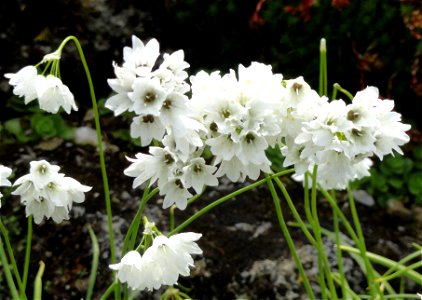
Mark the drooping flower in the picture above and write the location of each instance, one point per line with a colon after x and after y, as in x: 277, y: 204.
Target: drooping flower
x: 46, y: 193
x: 24, y: 83
x: 5, y: 172
x: 53, y: 94
x: 161, y: 264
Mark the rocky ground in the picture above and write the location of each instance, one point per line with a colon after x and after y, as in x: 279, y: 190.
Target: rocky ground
x: 245, y: 255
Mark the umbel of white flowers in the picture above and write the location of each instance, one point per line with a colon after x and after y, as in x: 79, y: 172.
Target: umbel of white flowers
x: 237, y: 117
x: 5, y: 172
x: 46, y: 193
x: 161, y: 264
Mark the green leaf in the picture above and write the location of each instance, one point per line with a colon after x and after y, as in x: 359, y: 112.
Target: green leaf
x: 417, y: 152
x: 396, y: 183
x: 14, y: 127
x: 415, y: 183
x: 44, y: 125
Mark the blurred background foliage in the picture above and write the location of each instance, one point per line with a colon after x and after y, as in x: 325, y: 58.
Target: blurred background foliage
x: 376, y: 42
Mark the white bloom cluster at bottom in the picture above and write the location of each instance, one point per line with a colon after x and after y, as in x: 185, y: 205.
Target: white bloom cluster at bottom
x: 161, y: 264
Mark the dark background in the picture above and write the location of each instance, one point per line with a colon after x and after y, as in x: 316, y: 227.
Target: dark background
x: 369, y: 42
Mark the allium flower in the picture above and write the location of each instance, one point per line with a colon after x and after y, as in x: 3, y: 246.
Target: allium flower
x: 243, y: 116
x: 161, y: 264
x: 340, y: 138
x: 46, y: 193
x: 24, y: 83
x: 50, y: 90
x: 4, y: 173
x: 53, y: 94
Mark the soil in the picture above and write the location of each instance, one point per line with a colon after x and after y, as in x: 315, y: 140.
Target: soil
x: 245, y: 255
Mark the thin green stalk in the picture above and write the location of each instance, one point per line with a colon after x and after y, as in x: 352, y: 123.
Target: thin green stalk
x: 349, y: 292
x: 102, y: 157
x: 289, y: 239
x: 386, y: 262
x: 224, y: 199
x: 172, y: 208
x: 374, y: 288
x: 337, y: 87
x: 130, y: 238
x: 12, y: 259
x: 317, y: 233
x: 27, y: 253
x: 99, y: 140
x: 323, y: 79
x: 404, y: 260
x: 343, y: 285
x: 413, y: 266
x: 294, y: 211
x: 38, y: 282
x: 94, y: 266
x: 306, y: 198
x: 111, y: 288
x: 7, y: 272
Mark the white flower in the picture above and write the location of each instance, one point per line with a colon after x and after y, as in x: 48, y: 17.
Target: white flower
x: 141, y: 58
x: 53, y: 94
x: 155, y: 166
x: 41, y: 173
x: 129, y: 270
x: 122, y: 85
x: 147, y: 96
x: 24, y: 83
x: 4, y: 173
x: 147, y: 127
x: 175, y: 193
x: 197, y: 174
x: 161, y: 264
x: 46, y: 193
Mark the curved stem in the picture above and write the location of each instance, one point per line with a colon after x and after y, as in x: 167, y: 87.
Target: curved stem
x: 27, y: 253
x: 294, y: 211
x: 7, y: 273
x: 374, y: 288
x: 289, y: 239
x: 12, y: 258
x: 94, y: 266
x: 224, y: 199
x: 38, y: 282
x: 100, y: 148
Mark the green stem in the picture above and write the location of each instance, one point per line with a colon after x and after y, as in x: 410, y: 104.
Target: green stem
x: 100, y: 148
x: 339, y: 255
x: 94, y: 266
x: 289, y: 239
x: 400, y: 272
x: 111, y: 288
x: 172, y: 208
x: 386, y: 262
x: 130, y: 238
x: 323, y: 79
x: 38, y: 282
x: 12, y: 259
x: 27, y: 253
x: 224, y: 199
x: 415, y: 254
x: 294, y: 211
x: 7, y: 273
x: 374, y: 288
x: 317, y: 233
x: 337, y: 87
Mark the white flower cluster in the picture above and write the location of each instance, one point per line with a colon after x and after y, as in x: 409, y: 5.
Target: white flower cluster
x: 161, y: 264
x: 47, y: 193
x: 237, y: 117
x: 50, y: 90
x: 155, y: 95
x: 5, y: 172
x: 340, y: 138
x: 242, y: 115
